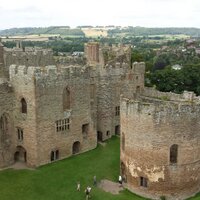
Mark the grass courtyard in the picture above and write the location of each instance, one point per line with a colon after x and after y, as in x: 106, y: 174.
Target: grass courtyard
x: 57, y: 181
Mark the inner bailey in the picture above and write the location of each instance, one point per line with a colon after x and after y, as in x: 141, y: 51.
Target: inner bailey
x: 160, y: 144
x: 60, y: 108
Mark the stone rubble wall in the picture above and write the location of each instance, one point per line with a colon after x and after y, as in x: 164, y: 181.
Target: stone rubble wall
x: 150, y: 127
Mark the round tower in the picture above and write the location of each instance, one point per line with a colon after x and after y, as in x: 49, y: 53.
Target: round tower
x: 160, y: 146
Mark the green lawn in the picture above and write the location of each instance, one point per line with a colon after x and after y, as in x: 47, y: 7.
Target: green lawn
x: 57, y: 181
x: 197, y: 197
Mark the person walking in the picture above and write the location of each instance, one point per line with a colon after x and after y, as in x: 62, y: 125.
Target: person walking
x: 78, y: 186
x: 120, y: 180
x: 87, y: 192
x: 95, y: 180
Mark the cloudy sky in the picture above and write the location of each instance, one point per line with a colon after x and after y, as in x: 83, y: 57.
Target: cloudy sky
x: 148, y: 13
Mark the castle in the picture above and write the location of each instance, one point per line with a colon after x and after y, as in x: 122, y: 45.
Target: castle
x: 52, y: 108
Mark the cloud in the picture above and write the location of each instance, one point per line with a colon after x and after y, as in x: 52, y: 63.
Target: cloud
x: 154, y: 13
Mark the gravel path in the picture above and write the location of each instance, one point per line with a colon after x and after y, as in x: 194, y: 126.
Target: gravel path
x: 110, y: 186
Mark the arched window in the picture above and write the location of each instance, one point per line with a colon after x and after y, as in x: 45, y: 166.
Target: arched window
x: 4, y: 126
x: 66, y: 99
x: 76, y: 147
x: 123, y: 141
x: 173, y: 154
x: 23, y: 105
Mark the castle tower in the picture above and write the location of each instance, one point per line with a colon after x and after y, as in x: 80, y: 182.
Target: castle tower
x: 92, y: 52
x: 2, y: 74
x: 160, y: 145
x: 19, y: 44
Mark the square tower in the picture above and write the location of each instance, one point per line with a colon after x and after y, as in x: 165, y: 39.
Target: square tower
x: 92, y: 53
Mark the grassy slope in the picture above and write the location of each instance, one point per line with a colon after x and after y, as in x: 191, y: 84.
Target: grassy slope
x: 57, y: 181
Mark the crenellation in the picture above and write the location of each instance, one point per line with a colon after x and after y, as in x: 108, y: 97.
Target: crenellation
x: 48, y: 72
x: 21, y: 70
x: 28, y: 56
x: 166, y: 96
x: 138, y: 67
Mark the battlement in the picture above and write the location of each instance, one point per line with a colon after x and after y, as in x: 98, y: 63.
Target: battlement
x: 50, y: 71
x: 117, y: 65
x: 28, y: 56
x: 28, y: 50
x: 70, y: 60
x: 115, y: 47
x: 169, y: 96
x: 105, y: 54
x: 138, y: 67
x: 110, y: 55
x: 162, y: 105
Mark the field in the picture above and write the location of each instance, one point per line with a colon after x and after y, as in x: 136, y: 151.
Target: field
x: 57, y: 181
x: 90, y: 32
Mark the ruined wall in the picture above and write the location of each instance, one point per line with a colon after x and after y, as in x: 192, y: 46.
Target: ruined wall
x: 43, y: 90
x: 115, y: 81
x: 49, y: 100
x: 28, y: 56
x: 109, y: 55
x: 149, y: 128
x: 3, y: 74
x: 7, y: 132
x: 92, y: 53
x: 23, y: 82
x: 94, y: 100
x: 113, y: 75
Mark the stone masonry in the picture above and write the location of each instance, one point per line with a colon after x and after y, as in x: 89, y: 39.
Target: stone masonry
x: 51, y: 109
x: 160, y: 144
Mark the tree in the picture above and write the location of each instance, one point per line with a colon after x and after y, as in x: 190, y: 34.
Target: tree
x: 161, y: 61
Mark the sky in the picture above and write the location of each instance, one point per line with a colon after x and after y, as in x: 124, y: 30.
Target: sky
x: 147, y: 13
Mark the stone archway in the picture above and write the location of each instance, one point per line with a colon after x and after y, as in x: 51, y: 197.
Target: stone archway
x: 20, y: 154
x: 76, y: 147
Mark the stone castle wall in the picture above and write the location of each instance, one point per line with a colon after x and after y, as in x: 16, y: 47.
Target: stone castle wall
x: 3, y: 74
x: 23, y: 82
x: 43, y: 90
x: 149, y: 128
x: 113, y: 82
x: 93, y: 95
x: 7, y: 134
x: 27, y: 56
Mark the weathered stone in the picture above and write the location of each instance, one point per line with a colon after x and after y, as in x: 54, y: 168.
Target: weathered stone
x: 67, y: 104
x: 150, y: 126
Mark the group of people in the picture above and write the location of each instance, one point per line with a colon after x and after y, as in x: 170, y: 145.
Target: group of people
x: 88, y: 189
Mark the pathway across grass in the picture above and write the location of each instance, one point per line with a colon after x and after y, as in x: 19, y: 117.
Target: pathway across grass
x: 58, y: 181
